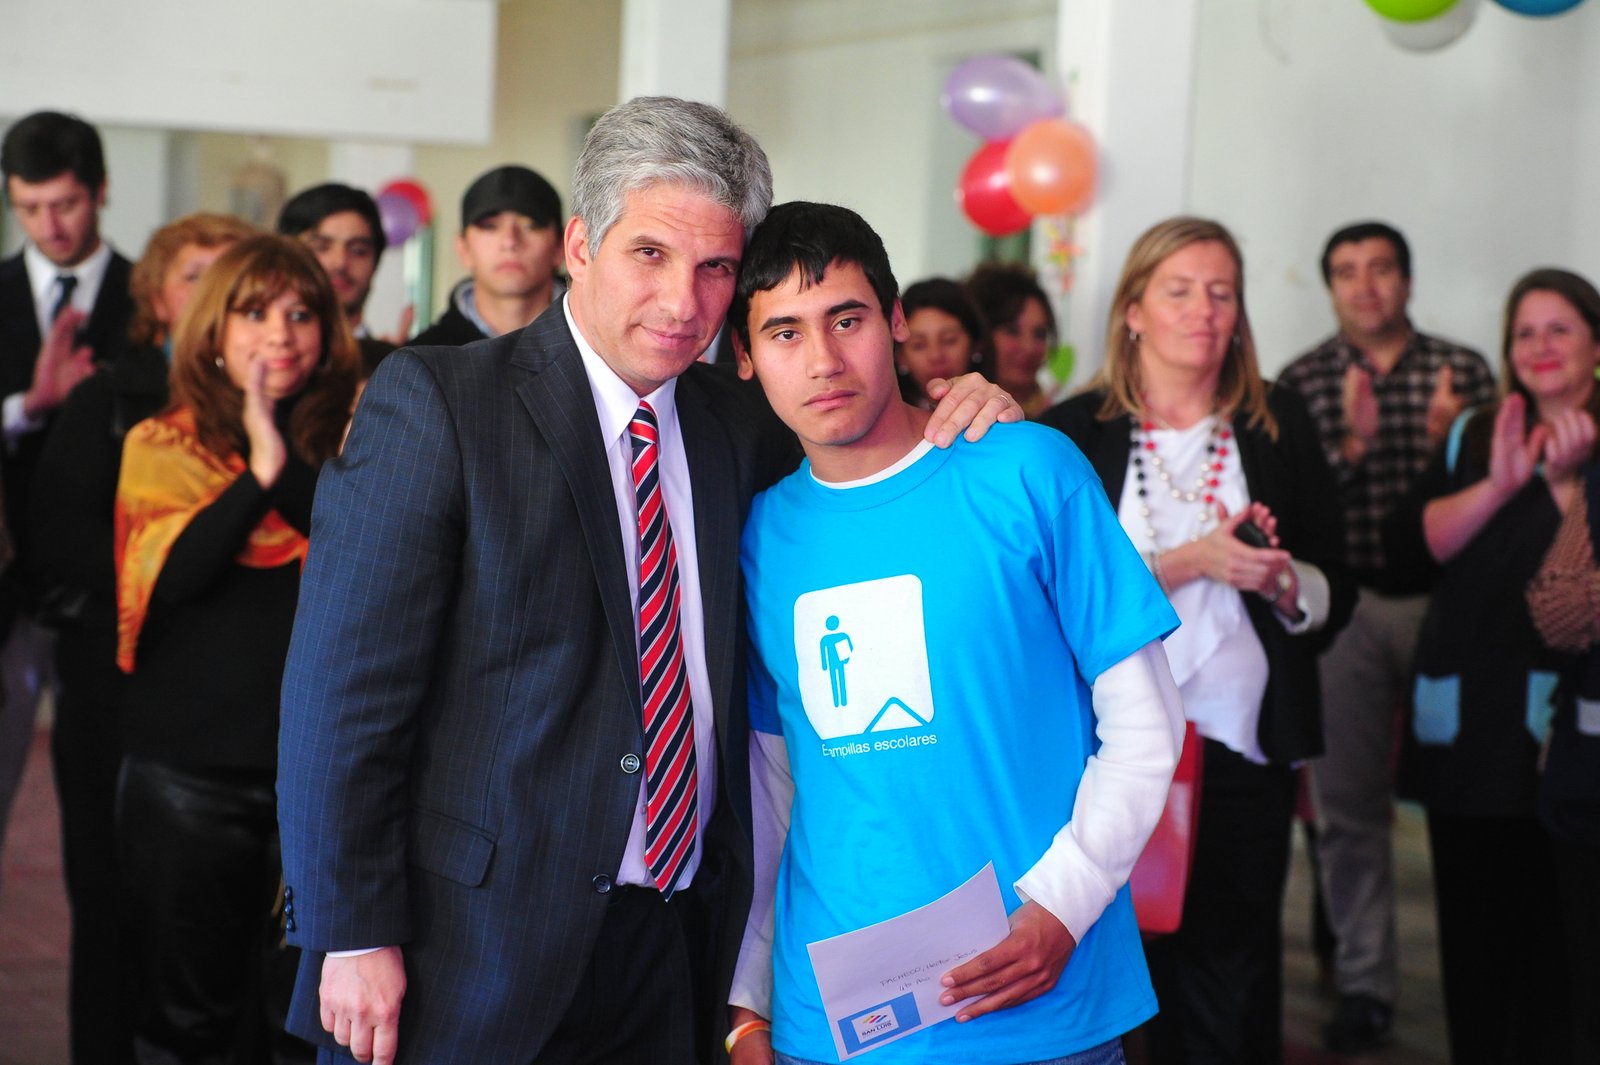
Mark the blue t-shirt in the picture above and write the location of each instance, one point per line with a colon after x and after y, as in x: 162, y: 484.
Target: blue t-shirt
x: 925, y: 644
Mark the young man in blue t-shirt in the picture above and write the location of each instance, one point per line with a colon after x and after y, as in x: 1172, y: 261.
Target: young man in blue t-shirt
x: 956, y: 661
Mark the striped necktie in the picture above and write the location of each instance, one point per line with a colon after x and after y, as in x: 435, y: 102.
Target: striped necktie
x: 68, y: 282
x: 672, y: 801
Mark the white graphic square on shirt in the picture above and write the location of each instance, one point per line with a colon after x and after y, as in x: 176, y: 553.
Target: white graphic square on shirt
x: 862, y: 650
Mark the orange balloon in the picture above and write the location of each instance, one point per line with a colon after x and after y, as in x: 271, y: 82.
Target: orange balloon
x: 1051, y: 163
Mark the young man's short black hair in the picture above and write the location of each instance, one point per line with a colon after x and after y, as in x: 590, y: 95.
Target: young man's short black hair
x: 1355, y: 234
x: 810, y: 237
x: 47, y: 144
x: 306, y: 210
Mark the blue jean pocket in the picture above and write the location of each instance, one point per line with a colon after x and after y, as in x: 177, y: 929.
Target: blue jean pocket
x: 1436, y: 706
x: 1541, y: 708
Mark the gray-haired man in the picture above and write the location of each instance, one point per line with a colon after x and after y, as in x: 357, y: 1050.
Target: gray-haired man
x: 513, y: 744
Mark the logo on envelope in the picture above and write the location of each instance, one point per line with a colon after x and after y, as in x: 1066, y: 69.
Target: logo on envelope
x: 863, y: 657
x: 880, y: 1022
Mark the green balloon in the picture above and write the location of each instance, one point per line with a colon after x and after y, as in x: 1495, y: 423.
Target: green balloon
x: 1411, y: 10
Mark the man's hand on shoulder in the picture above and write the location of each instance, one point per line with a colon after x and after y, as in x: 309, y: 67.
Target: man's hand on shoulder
x: 971, y: 402
x: 1021, y: 967
x: 361, y: 1002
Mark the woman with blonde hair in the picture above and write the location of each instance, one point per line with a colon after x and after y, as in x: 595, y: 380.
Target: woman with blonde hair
x: 212, y: 511
x: 1219, y: 480
x: 74, y: 488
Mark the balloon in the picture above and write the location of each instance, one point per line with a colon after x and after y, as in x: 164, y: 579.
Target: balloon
x: 1539, y: 8
x: 996, y: 95
x: 984, y: 192
x: 1410, y: 10
x: 1051, y: 164
x: 1434, y: 33
x: 416, y: 194
x: 399, y: 216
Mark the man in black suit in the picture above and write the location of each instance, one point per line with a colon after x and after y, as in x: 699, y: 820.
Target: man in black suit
x: 513, y: 783
x: 64, y: 305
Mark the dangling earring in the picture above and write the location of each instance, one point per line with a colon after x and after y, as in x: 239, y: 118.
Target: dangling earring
x: 1132, y: 335
x: 219, y: 362
x: 903, y: 371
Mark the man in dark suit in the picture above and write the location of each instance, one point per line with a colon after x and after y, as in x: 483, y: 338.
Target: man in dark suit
x: 64, y: 304
x: 513, y: 783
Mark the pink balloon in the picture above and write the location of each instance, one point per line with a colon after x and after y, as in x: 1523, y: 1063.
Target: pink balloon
x: 984, y: 193
x: 1051, y: 166
x: 399, y: 216
x: 995, y: 96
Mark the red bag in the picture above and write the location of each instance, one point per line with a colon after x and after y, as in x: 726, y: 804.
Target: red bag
x: 1161, y: 876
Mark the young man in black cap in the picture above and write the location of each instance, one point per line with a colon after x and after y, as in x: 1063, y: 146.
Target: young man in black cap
x: 510, y: 243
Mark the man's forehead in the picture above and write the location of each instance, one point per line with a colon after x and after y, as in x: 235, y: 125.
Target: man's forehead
x: 341, y: 225
x: 63, y: 186
x: 1369, y: 249
x: 679, y: 204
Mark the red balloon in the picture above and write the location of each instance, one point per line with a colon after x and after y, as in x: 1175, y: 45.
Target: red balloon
x: 415, y: 193
x: 1051, y: 164
x: 984, y: 192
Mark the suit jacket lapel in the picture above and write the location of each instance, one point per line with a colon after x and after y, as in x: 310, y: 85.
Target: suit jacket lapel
x: 713, y: 481
x: 557, y: 397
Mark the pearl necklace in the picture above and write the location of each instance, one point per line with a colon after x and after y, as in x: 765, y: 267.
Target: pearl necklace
x: 1147, y: 461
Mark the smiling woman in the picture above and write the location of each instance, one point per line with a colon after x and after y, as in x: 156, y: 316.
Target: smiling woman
x: 212, y: 512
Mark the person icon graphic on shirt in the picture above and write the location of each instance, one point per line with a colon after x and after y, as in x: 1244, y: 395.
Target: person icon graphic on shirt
x: 833, y: 662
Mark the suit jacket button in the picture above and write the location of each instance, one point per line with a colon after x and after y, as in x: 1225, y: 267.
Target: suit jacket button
x: 630, y: 763
x: 602, y: 884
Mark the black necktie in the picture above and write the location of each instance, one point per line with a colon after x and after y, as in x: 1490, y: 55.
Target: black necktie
x: 68, y: 282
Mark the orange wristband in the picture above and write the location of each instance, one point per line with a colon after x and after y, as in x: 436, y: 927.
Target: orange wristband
x: 743, y: 1030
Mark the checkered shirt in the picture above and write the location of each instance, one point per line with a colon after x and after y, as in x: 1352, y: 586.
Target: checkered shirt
x: 1368, y: 490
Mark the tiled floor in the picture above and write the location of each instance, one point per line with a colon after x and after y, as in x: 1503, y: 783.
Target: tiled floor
x: 33, y: 944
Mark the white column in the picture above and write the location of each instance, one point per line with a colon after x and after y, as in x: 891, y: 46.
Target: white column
x: 675, y: 48
x: 1128, y: 67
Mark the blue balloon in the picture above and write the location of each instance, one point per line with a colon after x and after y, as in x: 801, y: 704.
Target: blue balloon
x: 1538, y: 8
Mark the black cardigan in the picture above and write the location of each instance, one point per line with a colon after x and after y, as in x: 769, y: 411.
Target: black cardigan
x: 1291, y: 476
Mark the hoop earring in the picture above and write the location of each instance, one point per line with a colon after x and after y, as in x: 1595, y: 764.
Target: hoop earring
x: 1132, y: 335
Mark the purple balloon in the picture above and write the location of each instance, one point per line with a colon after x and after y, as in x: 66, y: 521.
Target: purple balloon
x: 399, y: 217
x: 995, y: 96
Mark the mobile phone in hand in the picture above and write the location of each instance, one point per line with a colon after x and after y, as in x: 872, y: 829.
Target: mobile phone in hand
x: 1250, y: 533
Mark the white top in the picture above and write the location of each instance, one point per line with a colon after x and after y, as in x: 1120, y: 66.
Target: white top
x: 1216, y: 657
x: 616, y: 403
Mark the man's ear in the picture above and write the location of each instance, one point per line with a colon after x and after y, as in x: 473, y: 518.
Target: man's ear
x: 461, y: 251
x: 747, y: 366
x: 575, y: 247
x: 897, y: 324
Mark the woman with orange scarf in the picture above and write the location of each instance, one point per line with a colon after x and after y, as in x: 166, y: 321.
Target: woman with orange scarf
x: 212, y: 512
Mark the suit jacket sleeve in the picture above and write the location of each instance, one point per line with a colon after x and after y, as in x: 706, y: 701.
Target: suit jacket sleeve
x: 379, y: 581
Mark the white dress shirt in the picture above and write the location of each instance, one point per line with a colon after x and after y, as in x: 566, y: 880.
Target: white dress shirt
x: 615, y: 403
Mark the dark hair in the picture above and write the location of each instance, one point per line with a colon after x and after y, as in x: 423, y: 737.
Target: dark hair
x: 249, y: 275
x: 1001, y: 290
x: 943, y: 294
x: 47, y: 144
x: 1572, y: 288
x: 306, y: 210
x: 1355, y: 234
x: 809, y: 237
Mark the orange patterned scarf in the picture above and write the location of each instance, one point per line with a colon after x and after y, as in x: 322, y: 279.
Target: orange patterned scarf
x: 168, y: 477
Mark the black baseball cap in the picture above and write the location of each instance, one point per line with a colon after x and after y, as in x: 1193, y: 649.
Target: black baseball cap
x: 511, y: 188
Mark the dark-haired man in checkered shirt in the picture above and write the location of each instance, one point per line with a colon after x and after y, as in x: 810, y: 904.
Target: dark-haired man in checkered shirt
x: 1384, y: 396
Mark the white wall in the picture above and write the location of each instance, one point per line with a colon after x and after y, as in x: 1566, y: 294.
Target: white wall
x: 373, y: 69
x: 844, y: 96
x: 1307, y: 118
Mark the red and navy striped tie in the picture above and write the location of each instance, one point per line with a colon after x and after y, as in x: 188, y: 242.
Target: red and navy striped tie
x: 671, y: 794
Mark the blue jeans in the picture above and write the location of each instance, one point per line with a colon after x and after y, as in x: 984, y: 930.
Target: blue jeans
x: 1107, y: 1053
